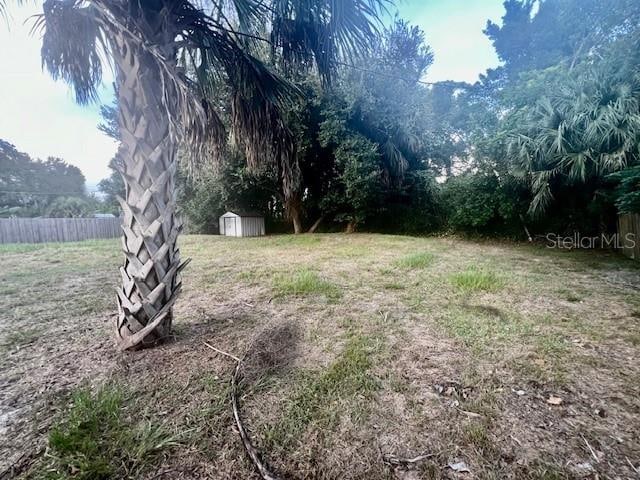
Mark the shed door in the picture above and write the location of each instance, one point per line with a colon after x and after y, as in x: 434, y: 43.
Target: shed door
x: 230, y: 227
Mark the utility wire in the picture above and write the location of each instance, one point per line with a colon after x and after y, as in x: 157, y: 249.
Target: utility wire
x: 382, y: 74
x: 355, y: 67
x: 41, y: 193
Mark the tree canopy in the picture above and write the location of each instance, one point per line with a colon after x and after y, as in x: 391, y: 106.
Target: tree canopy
x: 29, y: 187
x: 556, y: 125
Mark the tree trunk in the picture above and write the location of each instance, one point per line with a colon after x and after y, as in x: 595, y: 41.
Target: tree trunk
x: 297, y: 221
x: 316, y: 224
x: 351, y: 227
x: 150, y: 227
x: 293, y: 206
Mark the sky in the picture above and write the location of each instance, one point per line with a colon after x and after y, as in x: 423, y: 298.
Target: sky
x: 40, y: 117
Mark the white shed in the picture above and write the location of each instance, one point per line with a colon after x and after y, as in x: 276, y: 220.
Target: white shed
x: 241, y: 224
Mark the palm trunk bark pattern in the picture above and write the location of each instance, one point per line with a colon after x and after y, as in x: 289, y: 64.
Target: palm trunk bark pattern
x: 150, y: 227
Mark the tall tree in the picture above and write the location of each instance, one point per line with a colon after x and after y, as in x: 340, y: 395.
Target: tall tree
x: 112, y: 187
x: 167, y: 55
x: 378, y: 126
x: 28, y: 186
x: 537, y: 34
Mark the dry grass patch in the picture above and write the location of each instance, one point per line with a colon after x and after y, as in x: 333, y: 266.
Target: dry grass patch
x: 315, y: 396
x: 341, y: 369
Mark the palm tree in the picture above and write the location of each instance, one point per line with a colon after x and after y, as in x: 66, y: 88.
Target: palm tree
x: 587, y: 129
x: 169, y: 56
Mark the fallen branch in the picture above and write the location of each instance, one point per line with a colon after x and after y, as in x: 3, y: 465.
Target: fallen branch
x: 470, y: 414
x: 246, y: 441
x: 394, y: 461
x: 253, y: 453
x: 593, y: 453
x: 222, y: 352
x: 316, y: 224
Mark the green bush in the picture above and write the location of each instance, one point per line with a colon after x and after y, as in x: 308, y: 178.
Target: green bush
x: 66, y: 207
x: 481, y: 203
x: 627, y: 193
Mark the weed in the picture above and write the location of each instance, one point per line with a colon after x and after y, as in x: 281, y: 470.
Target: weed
x: 416, y: 260
x: 569, y: 295
x: 482, y: 330
x: 485, y: 403
x: 95, y: 441
x: 19, y: 338
x: 476, y: 434
x: 475, y: 279
x: 305, y: 282
x: 251, y: 277
x: 633, y: 338
x: 539, y: 470
x: 551, y: 344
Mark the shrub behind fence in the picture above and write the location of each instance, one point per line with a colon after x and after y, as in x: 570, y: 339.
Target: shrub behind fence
x: 41, y: 230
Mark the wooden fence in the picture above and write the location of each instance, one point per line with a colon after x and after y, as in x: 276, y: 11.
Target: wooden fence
x: 40, y: 230
x: 629, y: 231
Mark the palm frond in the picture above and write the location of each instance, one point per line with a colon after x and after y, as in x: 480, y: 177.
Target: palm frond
x: 588, y: 128
x: 258, y: 94
x: 196, y: 54
x: 307, y: 33
x: 71, y: 45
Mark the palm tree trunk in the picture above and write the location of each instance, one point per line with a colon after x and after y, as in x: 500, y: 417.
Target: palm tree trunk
x: 150, y: 227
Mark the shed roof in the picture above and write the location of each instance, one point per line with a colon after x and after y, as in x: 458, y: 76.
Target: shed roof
x: 244, y: 213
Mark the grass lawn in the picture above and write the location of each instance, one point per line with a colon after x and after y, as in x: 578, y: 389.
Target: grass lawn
x: 360, y: 350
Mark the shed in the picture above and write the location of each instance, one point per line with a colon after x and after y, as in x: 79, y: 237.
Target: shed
x: 241, y: 224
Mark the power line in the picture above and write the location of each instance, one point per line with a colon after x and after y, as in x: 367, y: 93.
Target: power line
x: 355, y: 67
x: 382, y: 74
x: 41, y: 193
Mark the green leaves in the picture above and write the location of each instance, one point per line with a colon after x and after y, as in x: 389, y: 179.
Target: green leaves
x: 628, y: 190
x: 586, y: 128
x: 319, y: 33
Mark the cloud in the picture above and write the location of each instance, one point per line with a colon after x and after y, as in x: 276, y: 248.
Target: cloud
x: 38, y: 114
